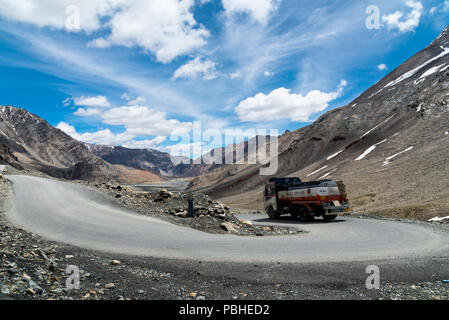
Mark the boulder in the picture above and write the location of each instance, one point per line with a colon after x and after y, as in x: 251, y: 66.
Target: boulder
x: 109, y: 286
x: 228, y: 227
x: 182, y: 214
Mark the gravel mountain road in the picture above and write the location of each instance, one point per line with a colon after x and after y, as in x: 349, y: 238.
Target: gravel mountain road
x: 73, y: 214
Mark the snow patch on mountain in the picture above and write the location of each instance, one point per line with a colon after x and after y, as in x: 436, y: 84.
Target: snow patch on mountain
x: 432, y: 71
x: 321, y: 169
x: 419, y: 81
x: 414, y: 71
x: 328, y: 174
x: 367, y: 133
x: 334, y: 155
x: 387, y: 161
x: 369, y: 150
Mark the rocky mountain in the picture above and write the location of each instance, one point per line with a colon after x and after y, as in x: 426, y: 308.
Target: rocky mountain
x: 143, y: 159
x: 390, y: 145
x: 7, y: 157
x: 32, y: 142
x: 235, y: 153
x: 161, y: 163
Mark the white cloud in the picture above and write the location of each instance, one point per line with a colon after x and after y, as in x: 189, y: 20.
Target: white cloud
x: 81, y: 112
x: 444, y: 7
x: 105, y: 137
x: 187, y: 149
x: 138, y: 120
x: 235, y: 75
x: 259, y: 10
x: 410, y: 22
x: 141, y: 120
x: 282, y: 104
x: 50, y: 13
x: 165, y: 28
x: 125, y: 96
x: 66, y: 102
x: 65, y: 127
x: 268, y: 74
x: 98, y: 102
x: 197, y: 69
x: 382, y: 67
x: 137, y: 101
x: 145, y: 144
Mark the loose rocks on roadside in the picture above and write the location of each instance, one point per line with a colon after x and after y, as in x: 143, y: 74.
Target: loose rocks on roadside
x: 33, y: 268
x: 209, y: 215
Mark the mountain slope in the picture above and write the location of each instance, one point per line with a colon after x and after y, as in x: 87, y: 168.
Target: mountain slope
x: 390, y: 145
x: 7, y: 157
x: 143, y: 159
x: 161, y: 163
x: 38, y: 145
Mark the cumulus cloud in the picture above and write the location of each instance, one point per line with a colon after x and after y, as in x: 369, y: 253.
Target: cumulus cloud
x: 137, y: 101
x: 107, y: 137
x: 142, y: 120
x: 98, y: 102
x: 104, y: 137
x: 197, y: 69
x: 187, y: 150
x: 50, y: 13
x: 409, y: 23
x: 125, y: 96
x: 260, y: 10
x: 165, y: 28
x: 382, y: 67
x: 145, y: 144
x: 138, y: 120
x: 81, y: 112
x: 283, y: 104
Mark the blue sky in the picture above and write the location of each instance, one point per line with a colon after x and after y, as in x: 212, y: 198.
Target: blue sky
x: 135, y: 72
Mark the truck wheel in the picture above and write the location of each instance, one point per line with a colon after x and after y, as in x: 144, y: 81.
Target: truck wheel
x: 273, y: 214
x: 294, y: 213
x: 329, y: 218
x: 303, y: 213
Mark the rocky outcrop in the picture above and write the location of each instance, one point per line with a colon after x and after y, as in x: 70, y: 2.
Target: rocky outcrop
x: 36, y: 144
x: 144, y: 159
x: 209, y: 215
x: 7, y: 157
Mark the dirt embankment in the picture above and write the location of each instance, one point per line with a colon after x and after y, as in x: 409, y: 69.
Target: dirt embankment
x: 209, y: 215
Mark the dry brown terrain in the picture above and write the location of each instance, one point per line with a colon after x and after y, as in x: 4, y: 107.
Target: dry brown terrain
x: 129, y: 175
x: 390, y: 146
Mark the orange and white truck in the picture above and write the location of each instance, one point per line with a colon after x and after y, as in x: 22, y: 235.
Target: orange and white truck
x: 305, y: 200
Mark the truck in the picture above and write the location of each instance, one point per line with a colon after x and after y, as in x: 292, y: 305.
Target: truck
x: 305, y: 200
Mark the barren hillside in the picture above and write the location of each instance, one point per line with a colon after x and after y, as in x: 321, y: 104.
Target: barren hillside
x: 390, y: 145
